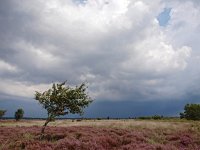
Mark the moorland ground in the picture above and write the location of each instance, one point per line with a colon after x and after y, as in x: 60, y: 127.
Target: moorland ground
x: 173, y: 134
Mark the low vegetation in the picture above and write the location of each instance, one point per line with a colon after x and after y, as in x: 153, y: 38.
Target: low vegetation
x: 104, y: 135
x: 155, y: 117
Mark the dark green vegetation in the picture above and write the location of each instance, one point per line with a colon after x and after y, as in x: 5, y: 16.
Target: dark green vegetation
x: 155, y: 117
x: 62, y: 100
x: 191, y: 112
x: 2, y: 113
x: 19, y: 114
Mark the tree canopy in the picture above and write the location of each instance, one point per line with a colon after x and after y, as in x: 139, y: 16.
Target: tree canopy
x: 19, y: 114
x: 191, y: 112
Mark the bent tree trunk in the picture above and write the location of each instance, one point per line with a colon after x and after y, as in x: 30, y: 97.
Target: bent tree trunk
x: 44, y: 126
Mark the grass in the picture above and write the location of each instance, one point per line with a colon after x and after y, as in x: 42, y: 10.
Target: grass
x: 129, y: 123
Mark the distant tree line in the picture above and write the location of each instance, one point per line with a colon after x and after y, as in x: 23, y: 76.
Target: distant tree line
x: 155, y: 117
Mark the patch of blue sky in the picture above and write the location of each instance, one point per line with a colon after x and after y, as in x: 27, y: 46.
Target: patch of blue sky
x: 79, y: 1
x: 164, y: 17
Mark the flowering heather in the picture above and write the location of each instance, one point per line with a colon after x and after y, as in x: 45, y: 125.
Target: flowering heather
x: 95, y: 138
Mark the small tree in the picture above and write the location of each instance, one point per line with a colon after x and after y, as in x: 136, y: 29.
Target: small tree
x: 191, y: 112
x: 182, y: 115
x: 61, y: 100
x: 19, y: 114
x: 2, y: 113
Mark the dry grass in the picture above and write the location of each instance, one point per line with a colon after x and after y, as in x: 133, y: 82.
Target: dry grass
x: 124, y: 124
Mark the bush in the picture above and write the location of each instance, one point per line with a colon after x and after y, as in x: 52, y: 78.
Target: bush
x: 2, y: 113
x: 155, y: 117
x: 145, y: 117
x: 192, y: 112
x: 19, y: 114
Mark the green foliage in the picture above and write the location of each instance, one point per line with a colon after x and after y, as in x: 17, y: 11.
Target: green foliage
x: 191, y: 112
x: 182, y: 115
x: 145, y: 117
x: 2, y: 113
x: 155, y: 117
x: 19, y: 114
x: 61, y: 100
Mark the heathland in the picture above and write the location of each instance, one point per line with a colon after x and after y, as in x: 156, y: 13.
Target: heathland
x: 127, y: 134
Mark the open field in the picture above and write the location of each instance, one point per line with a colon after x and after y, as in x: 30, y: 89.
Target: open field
x: 101, y: 134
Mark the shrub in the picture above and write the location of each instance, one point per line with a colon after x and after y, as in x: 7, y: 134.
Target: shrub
x: 19, y: 114
x: 157, y: 117
x: 2, y: 113
x: 145, y: 117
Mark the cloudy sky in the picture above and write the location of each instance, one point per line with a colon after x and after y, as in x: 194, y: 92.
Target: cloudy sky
x: 139, y: 57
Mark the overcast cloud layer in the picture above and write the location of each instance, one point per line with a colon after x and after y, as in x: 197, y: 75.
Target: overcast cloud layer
x: 117, y: 46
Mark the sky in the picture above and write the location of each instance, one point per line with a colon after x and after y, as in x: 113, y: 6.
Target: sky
x: 139, y: 57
